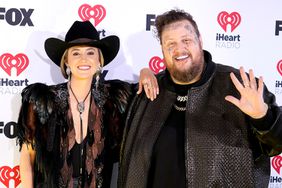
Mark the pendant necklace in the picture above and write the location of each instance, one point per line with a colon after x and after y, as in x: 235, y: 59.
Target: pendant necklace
x: 80, y: 108
x: 80, y: 105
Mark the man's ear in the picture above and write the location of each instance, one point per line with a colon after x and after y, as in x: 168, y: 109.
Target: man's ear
x: 201, y: 40
x: 163, y: 55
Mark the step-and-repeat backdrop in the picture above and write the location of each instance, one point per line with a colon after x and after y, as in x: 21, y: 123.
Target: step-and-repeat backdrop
x: 237, y: 33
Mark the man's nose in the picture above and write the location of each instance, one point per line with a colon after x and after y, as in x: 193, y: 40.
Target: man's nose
x: 180, y: 47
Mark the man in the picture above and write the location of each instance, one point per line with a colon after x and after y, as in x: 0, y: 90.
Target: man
x: 211, y: 125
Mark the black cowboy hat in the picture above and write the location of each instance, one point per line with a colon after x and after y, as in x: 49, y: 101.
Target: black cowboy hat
x: 82, y: 33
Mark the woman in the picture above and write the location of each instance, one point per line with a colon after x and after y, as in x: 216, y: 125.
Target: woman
x: 70, y: 133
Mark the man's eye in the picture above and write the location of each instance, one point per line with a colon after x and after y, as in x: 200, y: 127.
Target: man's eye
x: 75, y: 54
x: 170, y: 45
x: 187, y: 41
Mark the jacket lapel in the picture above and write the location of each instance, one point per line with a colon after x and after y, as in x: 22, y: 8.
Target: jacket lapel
x: 144, y: 129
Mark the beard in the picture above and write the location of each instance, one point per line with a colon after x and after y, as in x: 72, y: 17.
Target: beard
x: 186, y: 75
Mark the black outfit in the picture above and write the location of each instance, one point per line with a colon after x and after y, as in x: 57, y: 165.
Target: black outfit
x: 169, y: 171
x: 45, y: 122
x: 220, y: 146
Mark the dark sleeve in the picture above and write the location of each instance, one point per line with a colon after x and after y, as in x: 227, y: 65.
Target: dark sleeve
x: 264, y: 123
x: 36, y: 107
x: 116, y: 106
x: 269, y: 128
x: 115, y: 110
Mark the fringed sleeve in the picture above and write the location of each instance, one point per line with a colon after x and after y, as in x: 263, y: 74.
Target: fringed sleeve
x: 115, y: 110
x: 37, y: 105
x: 120, y: 95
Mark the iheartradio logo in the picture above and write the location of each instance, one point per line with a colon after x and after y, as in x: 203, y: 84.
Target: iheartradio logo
x: 97, y: 12
x: 276, y: 163
x: 233, y: 19
x: 19, y: 62
x: 156, y: 64
x: 279, y: 67
x: 8, y: 174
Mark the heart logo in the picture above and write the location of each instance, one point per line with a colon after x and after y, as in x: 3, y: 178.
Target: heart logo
x: 277, y: 163
x: 86, y: 12
x: 279, y: 67
x: 19, y: 62
x: 7, y: 174
x: 233, y: 19
x: 156, y: 64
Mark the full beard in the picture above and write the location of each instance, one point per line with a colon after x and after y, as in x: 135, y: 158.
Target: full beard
x: 186, y: 75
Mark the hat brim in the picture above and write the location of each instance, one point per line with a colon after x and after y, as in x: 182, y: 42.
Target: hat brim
x: 109, y: 46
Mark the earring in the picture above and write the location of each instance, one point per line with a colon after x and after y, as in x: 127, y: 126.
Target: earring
x: 68, y: 72
x: 99, y: 70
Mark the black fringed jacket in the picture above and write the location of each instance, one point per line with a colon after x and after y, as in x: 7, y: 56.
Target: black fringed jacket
x: 45, y: 122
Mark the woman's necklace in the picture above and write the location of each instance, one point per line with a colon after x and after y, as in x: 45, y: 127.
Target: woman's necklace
x: 80, y: 105
x: 80, y: 108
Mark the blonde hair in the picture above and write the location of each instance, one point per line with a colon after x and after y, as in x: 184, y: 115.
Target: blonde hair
x: 63, y: 64
x: 64, y: 58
